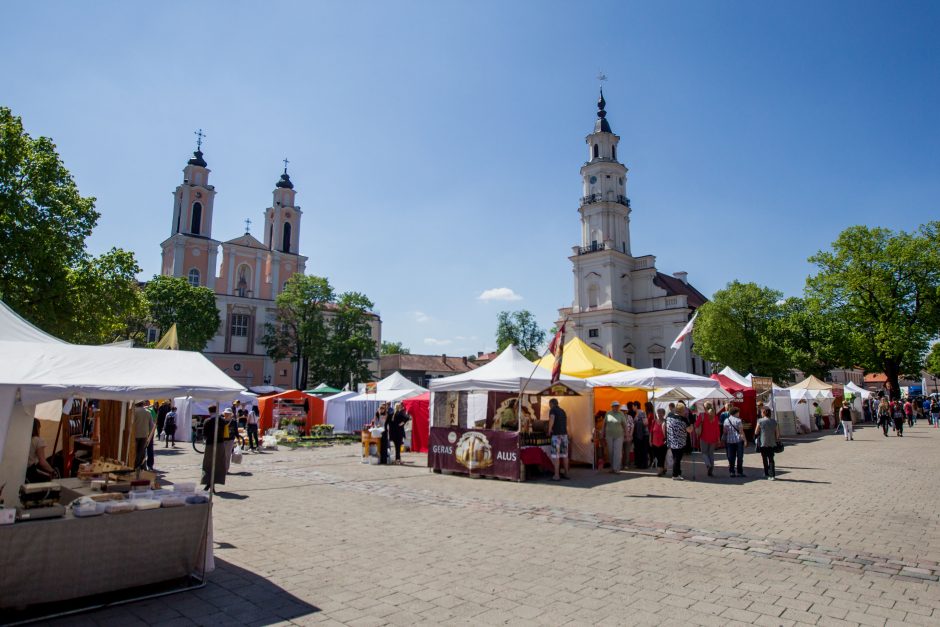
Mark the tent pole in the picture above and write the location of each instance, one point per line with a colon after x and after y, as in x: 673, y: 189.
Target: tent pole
x: 532, y: 374
x: 120, y: 451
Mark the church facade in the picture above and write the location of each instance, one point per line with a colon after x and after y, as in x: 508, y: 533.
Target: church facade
x: 246, y: 278
x: 623, y: 305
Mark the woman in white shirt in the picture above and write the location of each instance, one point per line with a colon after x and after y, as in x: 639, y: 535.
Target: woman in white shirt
x: 38, y: 469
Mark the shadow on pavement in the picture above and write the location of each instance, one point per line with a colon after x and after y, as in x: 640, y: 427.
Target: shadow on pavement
x: 230, y: 496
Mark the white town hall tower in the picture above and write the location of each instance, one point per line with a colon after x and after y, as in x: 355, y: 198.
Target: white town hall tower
x: 623, y: 307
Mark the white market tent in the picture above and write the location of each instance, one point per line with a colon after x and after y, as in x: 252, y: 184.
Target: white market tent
x: 508, y: 372
x: 732, y: 374
x: 808, y: 391
x: 334, y: 410
x: 651, y: 378
x: 36, y: 367
x: 361, y: 408
x: 858, y: 397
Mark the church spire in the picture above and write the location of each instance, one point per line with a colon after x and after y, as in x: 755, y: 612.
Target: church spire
x: 602, y: 125
x: 197, y: 155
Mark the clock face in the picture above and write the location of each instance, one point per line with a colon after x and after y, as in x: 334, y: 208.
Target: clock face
x: 593, y: 180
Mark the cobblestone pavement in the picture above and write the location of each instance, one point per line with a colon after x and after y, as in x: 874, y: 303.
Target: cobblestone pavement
x: 848, y: 535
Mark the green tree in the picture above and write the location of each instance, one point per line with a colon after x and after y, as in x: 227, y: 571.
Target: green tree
x: 106, y: 303
x: 813, y: 340
x: 193, y: 309
x: 394, y: 348
x: 300, y: 331
x: 519, y: 328
x: 351, y: 345
x: 932, y: 363
x: 46, y: 275
x: 737, y: 328
x: 885, y: 286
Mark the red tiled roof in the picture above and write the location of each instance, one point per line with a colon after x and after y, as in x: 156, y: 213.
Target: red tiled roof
x: 426, y: 363
x: 876, y: 377
x: 677, y: 287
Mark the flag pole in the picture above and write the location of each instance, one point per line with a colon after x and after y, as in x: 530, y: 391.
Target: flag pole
x: 532, y: 374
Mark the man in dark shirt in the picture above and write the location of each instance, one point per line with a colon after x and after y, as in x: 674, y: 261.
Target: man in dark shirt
x: 558, y: 428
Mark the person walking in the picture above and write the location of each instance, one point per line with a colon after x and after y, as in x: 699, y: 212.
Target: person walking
x: 615, y: 424
x: 708, y: 429
x: 229, y: 427
x: 818, y: 416
x: 641, y: 436
x: 935, y: 412
x: 884, y: 416
x: 169, y: 427
x: 909, y: 412
x: 251, y: 428
x: 767, y: 435
x: 897, y: 412
x: 397, y: 429
x: 845, y: 417
x: 214, y: 455
x: 628, y: 433
x: 658, y: 440
x: 558, y: 429
x: 143, y: 436
x: 677, y: 438
x: 735, y: 441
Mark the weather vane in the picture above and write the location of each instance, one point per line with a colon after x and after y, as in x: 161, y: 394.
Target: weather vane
x: 199, y: 135
x: 601, y: 77
x: 285, y: 165
x: 247, y: 225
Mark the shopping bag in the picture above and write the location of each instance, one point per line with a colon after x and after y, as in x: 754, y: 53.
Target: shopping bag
x: 668, y: 460
x: 237, y: 454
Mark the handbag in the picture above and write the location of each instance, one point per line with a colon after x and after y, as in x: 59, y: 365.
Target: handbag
x: 779, y: 447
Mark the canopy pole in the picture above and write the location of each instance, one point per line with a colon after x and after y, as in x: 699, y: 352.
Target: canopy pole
x: 120, y: 451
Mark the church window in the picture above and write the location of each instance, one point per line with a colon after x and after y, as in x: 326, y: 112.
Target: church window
x: 197, y: 218
x: 593, y: 333
x: 628, y: 361
x: 596, y: 151
x: 613, y: 150
x: 194, y: 277
x: 240, y: 324
x: 286, y: 239
x: 657, y: 362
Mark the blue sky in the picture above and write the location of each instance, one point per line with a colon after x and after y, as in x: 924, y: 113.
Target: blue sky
x: 435, y: 146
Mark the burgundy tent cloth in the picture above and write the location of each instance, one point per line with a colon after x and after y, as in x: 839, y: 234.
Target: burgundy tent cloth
x: 746, y: 402
x: 420, y: 409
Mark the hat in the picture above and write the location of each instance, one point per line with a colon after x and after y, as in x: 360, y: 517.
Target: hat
x: 615, y: 404
x: 227, y: 411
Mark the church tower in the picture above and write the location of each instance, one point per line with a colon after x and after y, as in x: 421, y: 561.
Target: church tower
x: 282, y: 234
x: 623, y: 306
x: 190, y: 251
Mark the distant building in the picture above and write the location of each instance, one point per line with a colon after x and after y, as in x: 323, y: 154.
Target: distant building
x: 623, y: 306
x: 482, y: 358
x: 247, y: 278
x: 421, y: 369
x: 847, y: 375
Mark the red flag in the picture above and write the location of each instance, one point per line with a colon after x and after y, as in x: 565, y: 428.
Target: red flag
x: 557, y: 348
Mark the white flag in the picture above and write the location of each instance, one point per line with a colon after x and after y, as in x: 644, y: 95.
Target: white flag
x: 684, y: 333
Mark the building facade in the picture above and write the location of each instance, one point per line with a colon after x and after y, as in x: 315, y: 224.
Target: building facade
x: 246, y: 278
x: 623, y: 306
x: 422, y: 369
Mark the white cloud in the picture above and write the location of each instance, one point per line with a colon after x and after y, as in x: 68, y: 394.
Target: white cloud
x: 421, y: 317
x: 499, y: 293
x: 436, y: 342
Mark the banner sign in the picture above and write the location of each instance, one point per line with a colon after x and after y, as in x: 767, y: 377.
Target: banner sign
x: 559, y: 389
x: 482, y: 452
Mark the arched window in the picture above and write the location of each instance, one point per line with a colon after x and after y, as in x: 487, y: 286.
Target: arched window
x: 596, y: 152
x: 286, y: 240
x: 593, y: 294
x: 613, y: 150
x: 197, y: 218
x: 194, y: 277
x: 271, y: 236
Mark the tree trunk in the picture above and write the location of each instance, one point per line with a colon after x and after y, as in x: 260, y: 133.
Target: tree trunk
x: 893, y: 372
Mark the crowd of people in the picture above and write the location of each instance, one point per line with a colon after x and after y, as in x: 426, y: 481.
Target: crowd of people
x: 392, y: 422
x: 661, y: 438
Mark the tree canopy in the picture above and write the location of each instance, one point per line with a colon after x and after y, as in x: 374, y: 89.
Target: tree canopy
x: 885, y: 287
x: 173, y: 300
x: 519, y: 328
x: 46, y: 275
x: 394, y: 348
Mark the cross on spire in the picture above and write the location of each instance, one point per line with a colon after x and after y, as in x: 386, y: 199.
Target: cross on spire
x: 199, y: 136
x: 247, y: 225
x: 601, y: 78
x: 285, y: 165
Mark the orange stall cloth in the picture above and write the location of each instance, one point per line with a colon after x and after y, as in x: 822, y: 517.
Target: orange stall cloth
x: 603, y: 397
x: 313, y: 405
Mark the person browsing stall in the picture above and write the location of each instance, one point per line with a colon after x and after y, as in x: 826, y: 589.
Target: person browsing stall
x: 38, y: 469
x: 558, y: 428
x: 143, y: 431
x: 615, y: 425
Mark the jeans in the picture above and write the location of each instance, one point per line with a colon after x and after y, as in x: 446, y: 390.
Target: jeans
x: 735, y: 452
x: 677, y: 461
x: 614, y: 449
x: 708, y: 452
x: 252, y: 436
x: 849, y: 429
x: 767, y: 456
x: 883, y: 423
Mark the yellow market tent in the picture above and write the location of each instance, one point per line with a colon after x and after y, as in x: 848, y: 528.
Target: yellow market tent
x: 580, y: 360
x: 169, y: 341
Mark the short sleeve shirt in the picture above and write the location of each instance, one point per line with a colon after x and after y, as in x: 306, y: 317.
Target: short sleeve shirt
x: 732, y: 430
